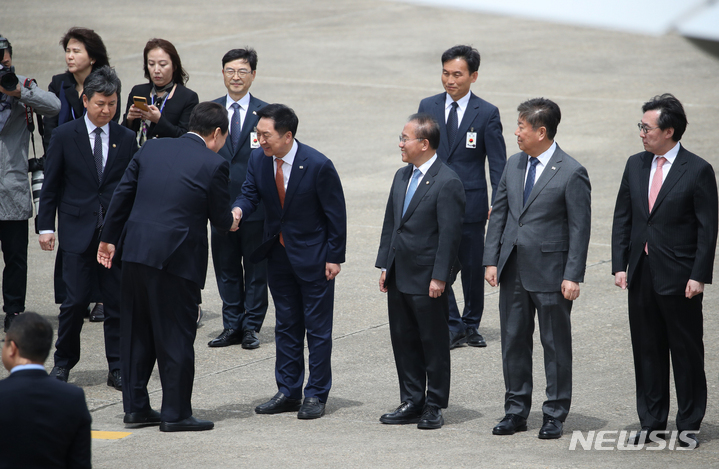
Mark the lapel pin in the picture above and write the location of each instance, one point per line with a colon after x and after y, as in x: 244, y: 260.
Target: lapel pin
x: 302, y: 167
x: 554, y: 168
x: 426, y: 182
x: 114, y: 146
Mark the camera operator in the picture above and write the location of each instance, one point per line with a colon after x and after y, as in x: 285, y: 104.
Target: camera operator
x: 19, y: 96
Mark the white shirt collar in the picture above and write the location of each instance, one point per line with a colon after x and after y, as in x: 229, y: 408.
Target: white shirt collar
x: 203, y: 140
x: 91, y: 127
x: 290, y: 156
x: 244, y: 102
x: 671, y: 154
x: 544, y: 157
x: 461, y: 102
x: 29, y: 366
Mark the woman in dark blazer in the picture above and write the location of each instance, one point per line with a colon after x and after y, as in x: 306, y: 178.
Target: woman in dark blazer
x: 169, y: 102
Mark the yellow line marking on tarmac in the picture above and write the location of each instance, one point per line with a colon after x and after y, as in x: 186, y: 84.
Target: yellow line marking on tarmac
x: 109, y: 435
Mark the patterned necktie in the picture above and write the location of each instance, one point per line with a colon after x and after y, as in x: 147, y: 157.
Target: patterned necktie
x: 97, y: 153
x: 412, y: 188
x: 654, y: 189
x: 280, y: 183
x: 452, y: 124
x: 529, y: 184
x: 236, y: 127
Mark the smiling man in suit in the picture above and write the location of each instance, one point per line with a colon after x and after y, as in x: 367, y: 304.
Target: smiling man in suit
x: 536, y: 250
x: 305, y: 234
x: 45, y: 422
x: 84, y: 163
x: 418, y: 249
x: 244, y: 294
x: 663, y: 244
x: 471, y: 132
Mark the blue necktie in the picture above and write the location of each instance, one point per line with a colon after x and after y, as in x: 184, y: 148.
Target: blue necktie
x: 412, y: 188
x: 97, y: 154
x: 530, y: 177
x: 236, y: 128
x: 452, y: 124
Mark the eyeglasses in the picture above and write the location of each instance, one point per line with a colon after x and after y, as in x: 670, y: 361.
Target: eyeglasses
x: 645, y: 128
x: 229, y: 73
x: 405, y: 139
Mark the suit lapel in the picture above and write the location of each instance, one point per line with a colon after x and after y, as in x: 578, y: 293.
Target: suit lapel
x: 299, y: 169
x: 84, y: 149
x: 246, y: 126
x: 554, y: 165
x: 268, y: 179
x: 112, y: 149
x: 438, y: 114
x: 424, y: 185
x: 676, y: 171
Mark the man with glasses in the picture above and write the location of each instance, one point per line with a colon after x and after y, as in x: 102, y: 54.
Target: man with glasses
x: 15, y: 195
x: 471, y: 132
x: 244, y: 294
x: 663, y: 243
x: 418, y: 250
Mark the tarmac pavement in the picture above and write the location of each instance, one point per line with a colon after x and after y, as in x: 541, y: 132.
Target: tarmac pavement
x: 353, y: 71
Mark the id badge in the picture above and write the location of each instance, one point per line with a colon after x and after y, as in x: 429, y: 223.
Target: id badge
x: 471, y: 139
x: 254, y: 143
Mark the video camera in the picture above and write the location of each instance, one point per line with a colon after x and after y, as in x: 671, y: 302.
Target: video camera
x: 8, y: 79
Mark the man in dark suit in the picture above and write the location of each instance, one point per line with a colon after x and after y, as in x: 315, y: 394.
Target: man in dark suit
x: 471, y: 132
x: 421, y: 234
x: 84, y: 163
x: 158, y: 221
x: 663, y: 245
x: 536, y: 249
x: 244, y: 297
x: 45, y: 422
x: 305, y: 234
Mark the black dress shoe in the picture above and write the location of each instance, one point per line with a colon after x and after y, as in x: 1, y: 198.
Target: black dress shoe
x: 228, y: 337
x: 200, y: 314
x: 60, y: 373
x: 148, y: 417
x: 9, y: 317
x: 456, y: 339
x: 689, y: 440
x: 190, y: 424
x: 552, y: 428
x: 114, y: 379
x: 278, y: 404
x: 510, y: 424
x: 474, y: 338
x: 404, y: 414
x: 98, y: 313
x: 431, y: 418
x: 250, y: 340
x: 311, y: 408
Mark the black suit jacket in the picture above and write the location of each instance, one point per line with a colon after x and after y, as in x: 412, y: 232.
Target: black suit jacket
x: 158, y: 214
x: 240, y: 156
x: 483, y: 118
x: 45, y: 423
x: 422, y: 245
x: 681, y: 230
x: 175, y: 116
x: 71, y: 187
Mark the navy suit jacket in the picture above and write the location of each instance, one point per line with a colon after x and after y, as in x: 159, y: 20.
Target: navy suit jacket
x: 45, y: 422
x: 71, y: 186
x: 313, y: 220
x: 240, y: 156
x: 483, y: 118
x: 681, y: 230
x: 158, y: 214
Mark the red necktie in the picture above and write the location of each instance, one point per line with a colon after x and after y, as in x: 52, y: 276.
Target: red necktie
x: 654, y: 189
x: 280, y: 183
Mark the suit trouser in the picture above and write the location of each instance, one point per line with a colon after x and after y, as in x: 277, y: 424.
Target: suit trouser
x: 159, y: 323
x: 471, y: 251
x: 664, y: 325
x: 13, y: 241
x: 516, y: 318
x: 300, y: 306
x: 420, y: 342
x: 244, y: 297
x: 79, y: 272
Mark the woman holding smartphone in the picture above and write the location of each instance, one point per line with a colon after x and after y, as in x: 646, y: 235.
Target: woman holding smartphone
x: 162, y: 107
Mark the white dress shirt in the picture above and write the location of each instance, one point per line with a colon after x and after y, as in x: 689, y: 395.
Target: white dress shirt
x: 286, y: 162
x: 244, y: 103
x: 104, y: 136
x: 543, y: 160
x: 670, y: 156
x: 422, y: 169
x: 461, y: 107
